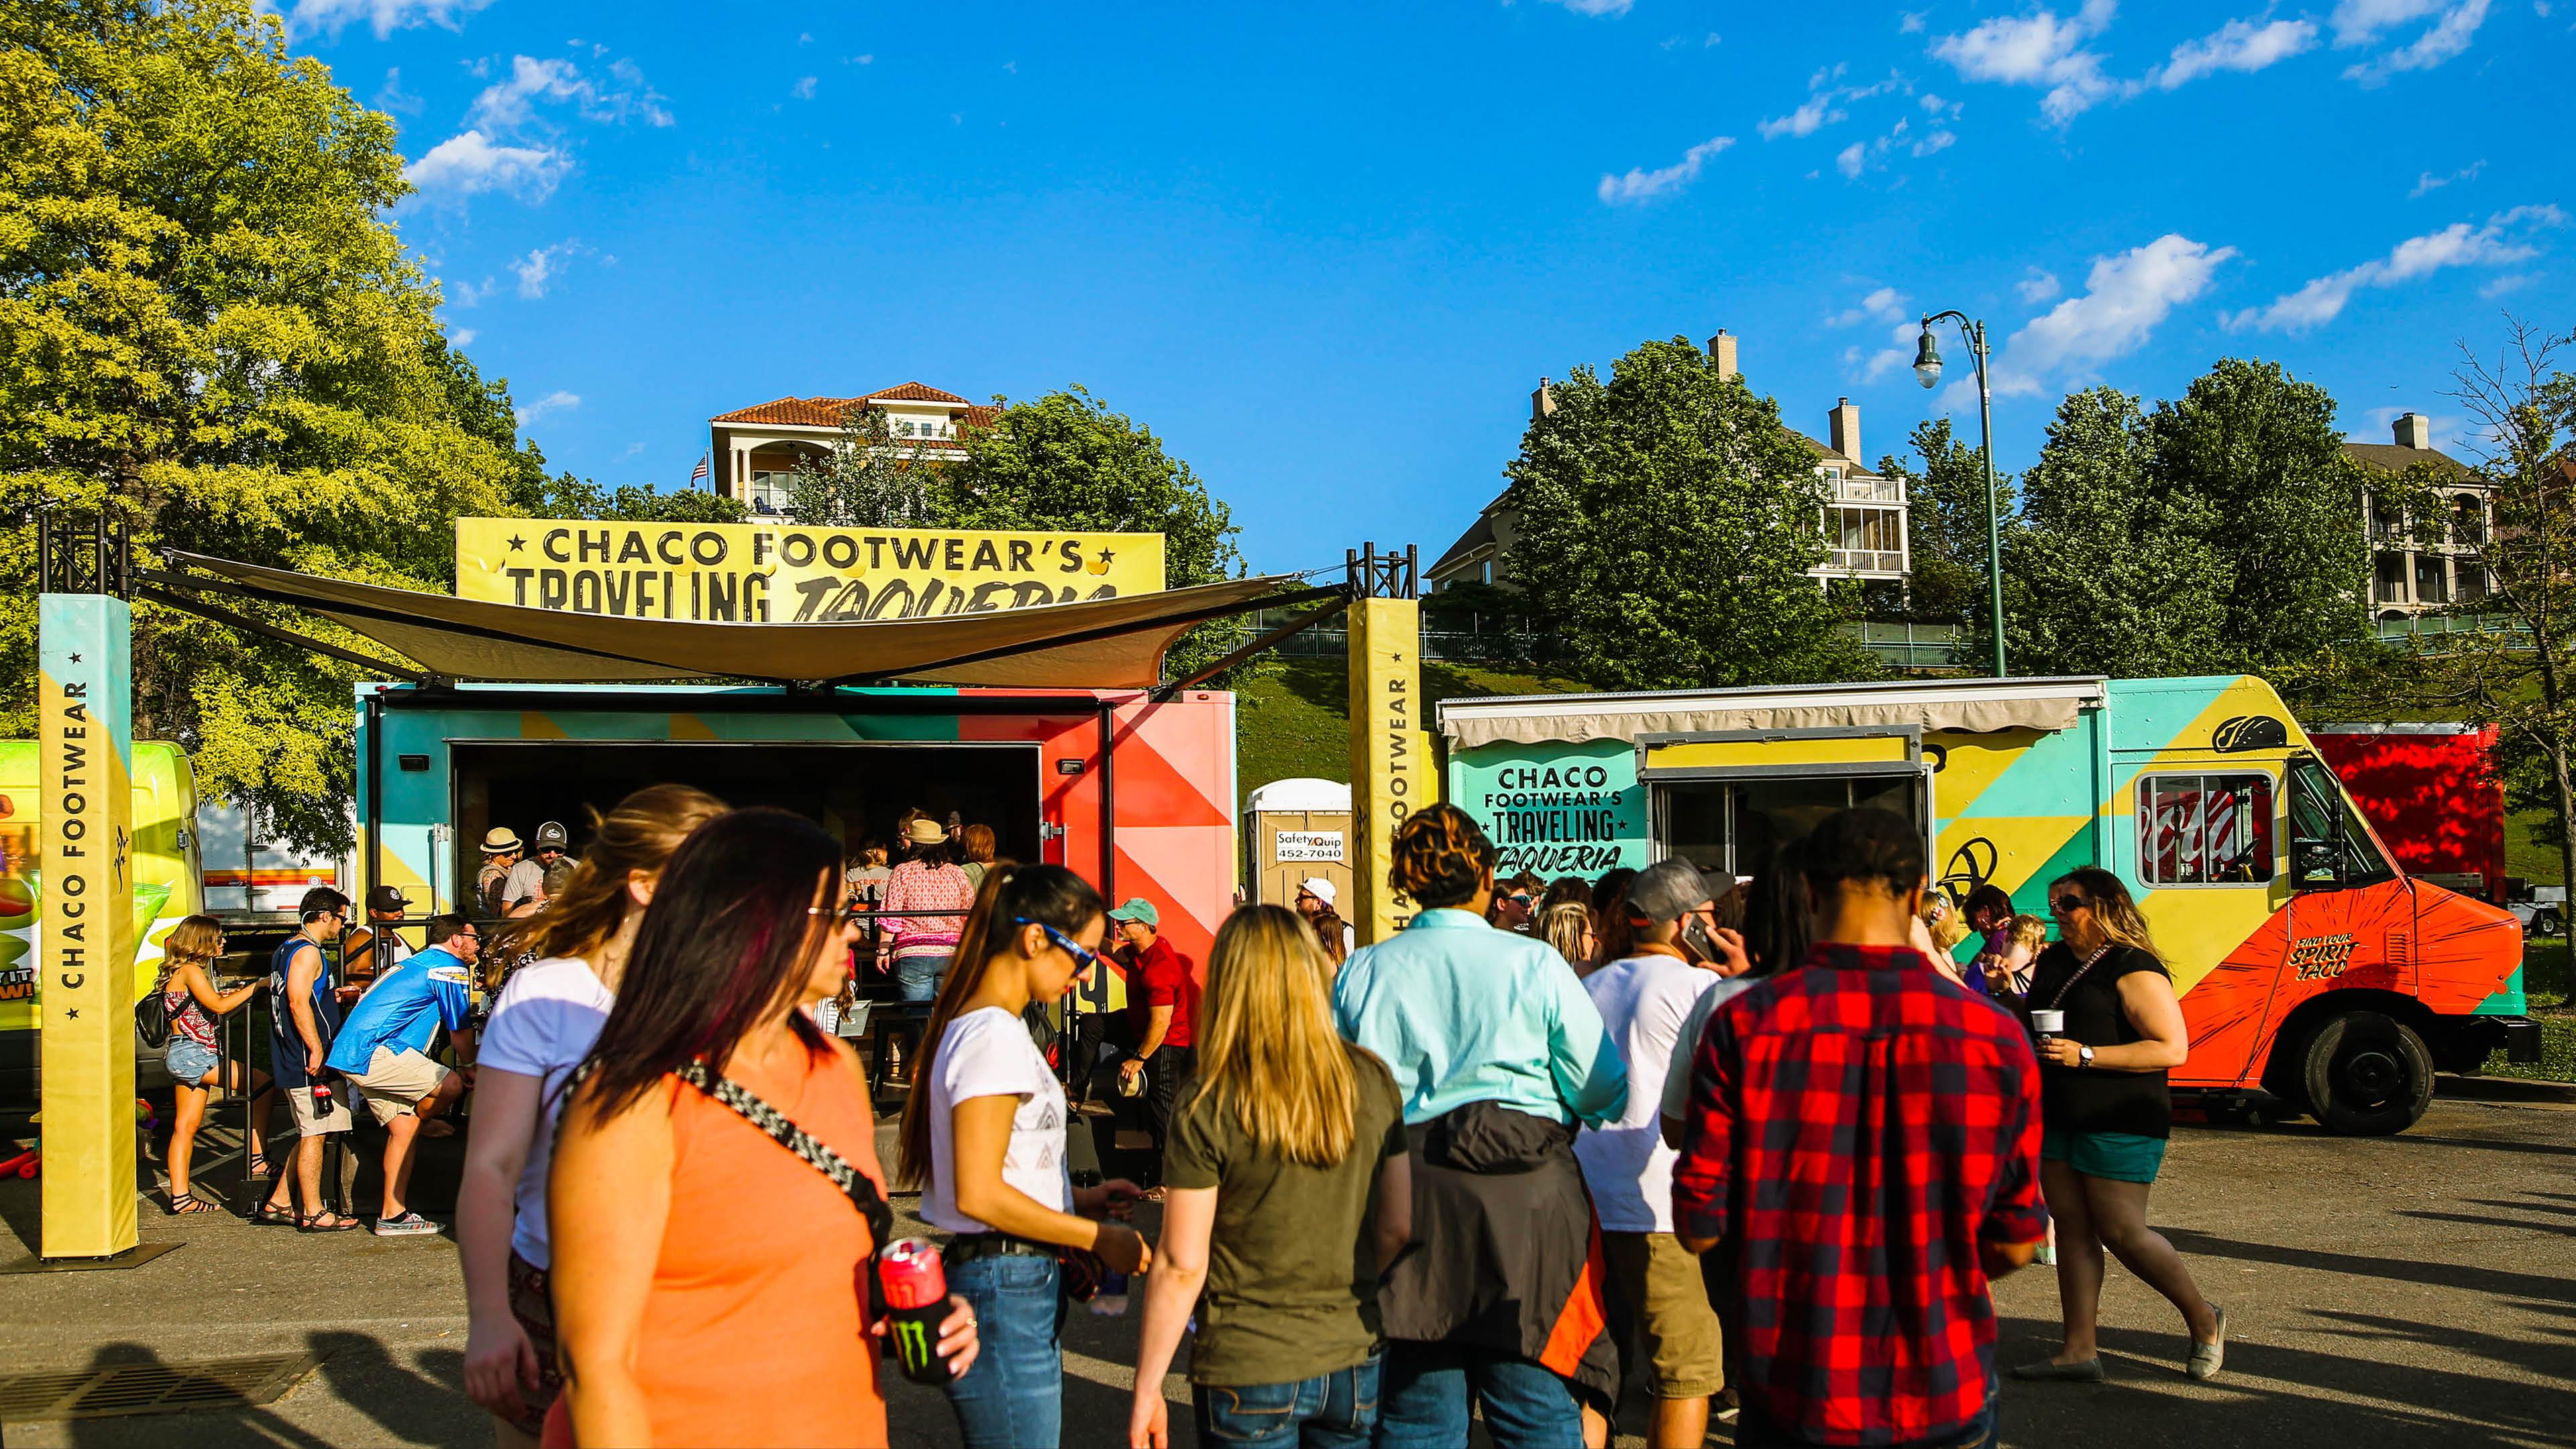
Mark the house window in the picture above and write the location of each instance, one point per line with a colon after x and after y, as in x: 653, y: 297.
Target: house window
x: 2387, y: 520
x: 2205, y: 830
x: 904, y: 427
x: 1868, y: 530
x: 2473, y: 580
x: 2468, y: 519
x: 769, y: 492
x: 1485, y: 572
x: 2388, y: 579
x: 2432, y: 579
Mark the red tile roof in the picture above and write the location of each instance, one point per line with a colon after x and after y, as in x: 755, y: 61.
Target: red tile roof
x: 825, y: 412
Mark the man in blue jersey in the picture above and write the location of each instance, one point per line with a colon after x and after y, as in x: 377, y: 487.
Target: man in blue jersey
x: 383, y: 1049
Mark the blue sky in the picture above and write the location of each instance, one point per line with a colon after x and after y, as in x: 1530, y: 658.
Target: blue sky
x: 1325, y: 251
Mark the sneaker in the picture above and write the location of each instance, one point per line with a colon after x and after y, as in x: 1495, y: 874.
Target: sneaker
x: 409, y: 1225
x: 2208, y: 1358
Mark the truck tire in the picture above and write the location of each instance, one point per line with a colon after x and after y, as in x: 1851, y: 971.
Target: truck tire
x: 2367, y: 1074
x: 2548, y: 923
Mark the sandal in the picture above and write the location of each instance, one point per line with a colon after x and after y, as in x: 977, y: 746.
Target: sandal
x: 338, y: 1224
x: 270, y: 1215
x: 258, y: 1170
x: 188, y: 1202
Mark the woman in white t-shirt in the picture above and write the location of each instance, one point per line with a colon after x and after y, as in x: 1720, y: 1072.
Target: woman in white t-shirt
x: 983, y: 1132
x: 542, y: 1027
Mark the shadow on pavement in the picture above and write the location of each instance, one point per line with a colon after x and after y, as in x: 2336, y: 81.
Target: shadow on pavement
x: 406, y: 1407
x: 2438, y: 1275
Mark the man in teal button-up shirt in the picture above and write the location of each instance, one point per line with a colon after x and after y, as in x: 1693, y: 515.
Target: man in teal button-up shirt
x: 1465, y: 1013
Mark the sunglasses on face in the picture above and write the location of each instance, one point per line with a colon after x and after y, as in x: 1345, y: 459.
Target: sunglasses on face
x: 1083, y: 957
x: 845, y: 914
x: 1517, y: 899
x: 2069, y: 905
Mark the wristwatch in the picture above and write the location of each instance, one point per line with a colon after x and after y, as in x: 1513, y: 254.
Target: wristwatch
x: 2083, y: 1056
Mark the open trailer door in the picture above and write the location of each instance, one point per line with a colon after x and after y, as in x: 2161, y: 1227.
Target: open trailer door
x: 1727, y: 801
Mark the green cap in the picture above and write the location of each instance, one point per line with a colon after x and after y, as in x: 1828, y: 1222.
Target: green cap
x: 1138, y: 909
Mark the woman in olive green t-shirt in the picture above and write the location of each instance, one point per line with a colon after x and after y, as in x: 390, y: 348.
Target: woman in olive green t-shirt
x: 1287, y: 1187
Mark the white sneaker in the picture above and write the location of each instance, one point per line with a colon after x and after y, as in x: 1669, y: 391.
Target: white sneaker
x: 409, y: 1225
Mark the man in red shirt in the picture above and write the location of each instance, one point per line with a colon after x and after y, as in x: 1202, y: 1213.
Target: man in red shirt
x: 1861, y: 1158
x: 1162, y: 1006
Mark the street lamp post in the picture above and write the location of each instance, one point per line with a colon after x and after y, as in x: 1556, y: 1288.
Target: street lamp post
x: 1927, y: 366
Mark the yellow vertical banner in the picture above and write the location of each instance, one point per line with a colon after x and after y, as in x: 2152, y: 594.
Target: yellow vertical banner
x: 85, y: 981
x: 1391, y: 771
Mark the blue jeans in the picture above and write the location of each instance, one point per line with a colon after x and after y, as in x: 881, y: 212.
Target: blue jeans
x: 1753, y: 1431
x: 1331, y: 1411
x: 918, y: 977
x: 1429, y: 1387
x: 1013, y: 1398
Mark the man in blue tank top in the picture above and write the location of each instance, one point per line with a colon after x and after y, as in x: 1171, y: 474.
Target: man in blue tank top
x: 304, y: 1016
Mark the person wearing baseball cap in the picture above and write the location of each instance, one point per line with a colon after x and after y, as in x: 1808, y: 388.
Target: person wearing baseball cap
x: 385, y: 904
x: 1162, y: 1004
x: 1678, y: 957
x: 1319, y: 901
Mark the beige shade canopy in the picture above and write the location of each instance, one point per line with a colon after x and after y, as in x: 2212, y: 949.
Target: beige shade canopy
x: 1095, y: 644
x: 1979, y: 706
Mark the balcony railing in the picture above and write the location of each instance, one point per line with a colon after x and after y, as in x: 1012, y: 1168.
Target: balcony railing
x: 1869, y: 490
x: 1864, y: 561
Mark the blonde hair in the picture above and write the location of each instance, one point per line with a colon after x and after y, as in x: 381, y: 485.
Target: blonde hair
x: 2114, y: 910
x: 2029, y: 932
x: 195, y: 939
x: 1266, y: 1049
x: 1949, y: 930
x: 1567, y: 926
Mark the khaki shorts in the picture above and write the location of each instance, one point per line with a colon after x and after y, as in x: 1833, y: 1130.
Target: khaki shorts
x: 309, y: 1123
x: 1656, y: 1283
x: 396, y: 1081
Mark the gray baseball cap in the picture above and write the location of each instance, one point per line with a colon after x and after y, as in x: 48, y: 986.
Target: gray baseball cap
x: 1669, y: 890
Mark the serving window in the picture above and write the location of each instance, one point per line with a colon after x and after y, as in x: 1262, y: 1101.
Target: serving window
x: 2206, y: 830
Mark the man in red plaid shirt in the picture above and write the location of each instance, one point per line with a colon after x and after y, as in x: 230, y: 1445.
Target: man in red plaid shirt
x: 1861, y: 1157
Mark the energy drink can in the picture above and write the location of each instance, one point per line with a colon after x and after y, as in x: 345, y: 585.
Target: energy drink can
x: 916, y: 1296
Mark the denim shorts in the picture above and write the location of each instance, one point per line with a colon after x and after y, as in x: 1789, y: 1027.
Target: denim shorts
x: 188, y: 1061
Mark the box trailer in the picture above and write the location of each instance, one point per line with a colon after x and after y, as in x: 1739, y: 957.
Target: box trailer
x: 1137, y: 796
x: 2429, y: 792
x: 2310, y: 964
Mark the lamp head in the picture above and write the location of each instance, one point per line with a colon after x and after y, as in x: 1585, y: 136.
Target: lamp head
x: 1927, y: 359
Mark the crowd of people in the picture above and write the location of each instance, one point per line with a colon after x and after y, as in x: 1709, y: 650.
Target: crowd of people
x: 1756, y: 1147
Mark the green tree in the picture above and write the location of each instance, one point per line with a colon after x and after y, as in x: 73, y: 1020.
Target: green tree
x: 2100, y: 575
x: 871, y: 479
x: 1945, y: 520
x: 1667, y: 523
x: 207, y: 324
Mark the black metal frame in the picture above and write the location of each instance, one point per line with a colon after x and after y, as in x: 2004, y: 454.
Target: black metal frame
x: 93, y: 554
x: 1374, y: 575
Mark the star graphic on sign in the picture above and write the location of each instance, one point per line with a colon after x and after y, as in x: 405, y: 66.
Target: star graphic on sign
x: 71, y: 1013
x: 76, y: 659
x: 517, y: 544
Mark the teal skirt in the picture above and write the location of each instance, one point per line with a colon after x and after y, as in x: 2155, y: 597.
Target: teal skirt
x: 2119, y: 1156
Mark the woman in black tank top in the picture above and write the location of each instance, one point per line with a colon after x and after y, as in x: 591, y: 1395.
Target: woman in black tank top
x: 2104, y: 1105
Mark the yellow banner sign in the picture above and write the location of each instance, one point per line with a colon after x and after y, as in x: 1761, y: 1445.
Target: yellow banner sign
x: 1391, y: 774
x: 775, y: 573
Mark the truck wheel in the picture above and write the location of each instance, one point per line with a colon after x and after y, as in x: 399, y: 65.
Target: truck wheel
x: 2548, y: 923
x: 2367, y: 1074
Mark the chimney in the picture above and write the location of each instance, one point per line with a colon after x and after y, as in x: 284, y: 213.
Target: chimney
x: 1542, y: 402
x: 1721, y: 349
x: 2414, y: 430
x: 1846, y: 429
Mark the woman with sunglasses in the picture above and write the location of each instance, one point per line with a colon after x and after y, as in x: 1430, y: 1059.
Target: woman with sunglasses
x: 2106, y: 1114
x: 983, y: 1132
x: 709, y: 1280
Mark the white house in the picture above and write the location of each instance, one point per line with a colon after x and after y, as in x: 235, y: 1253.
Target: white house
x: 755, y: 449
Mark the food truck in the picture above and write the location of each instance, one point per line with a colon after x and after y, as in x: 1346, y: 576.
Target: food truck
x: 2310, y: 965
x: 1137, y: 795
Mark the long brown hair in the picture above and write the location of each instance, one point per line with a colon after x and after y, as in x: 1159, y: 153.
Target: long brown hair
x: 639, y: 834
x: 1049, y: 895
x: 2114, y: 909
x: 1267, y: 1051
x: 195, y: 939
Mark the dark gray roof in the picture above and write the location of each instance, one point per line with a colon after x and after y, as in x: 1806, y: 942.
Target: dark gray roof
x: 2393, y: 458
x: 1478, y: 535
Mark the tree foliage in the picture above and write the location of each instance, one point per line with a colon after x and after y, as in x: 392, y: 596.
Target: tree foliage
x: 207, y: 325
x: 871, y: 479
x: 1667, y: 523
x: 2219, y: 534
x: 1945, y: 521
x: 1065, y: 460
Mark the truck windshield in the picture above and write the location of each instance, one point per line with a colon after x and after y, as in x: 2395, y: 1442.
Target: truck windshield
x: 2330, y: 849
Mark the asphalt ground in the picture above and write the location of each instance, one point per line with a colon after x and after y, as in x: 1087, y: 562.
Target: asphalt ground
x: 2419, y: 1289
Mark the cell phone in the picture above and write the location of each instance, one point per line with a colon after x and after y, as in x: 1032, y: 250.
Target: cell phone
x: 1695, y: 935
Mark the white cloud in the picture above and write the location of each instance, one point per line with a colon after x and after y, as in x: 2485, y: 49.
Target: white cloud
x: 463, y: 337
x: 1910, y: 23
x: 2508, y: 283
x: 803, y: 90
x: 1860, y: 156
x: 1597, y: 7
x: 2501, y: 242
x: 1939, y: 140
x: 2038, y: 287
x: 2038, y: 49
x: 1640, y: 185
x: 1884, y: 305
x: 329, y: 17
x: 557, y: 401
x: 469, y: 163
x: 2239, y: 45
x: 2126, y: 297
x: 1804, y: 121
x: 511, y: 103
x: 2363, y: 22
x: 543, y: 267
x: 394, y: 98
x: 1712, y: 40
x: 859, y: 59
x: 1851, y: 159
x: 2430, y: 182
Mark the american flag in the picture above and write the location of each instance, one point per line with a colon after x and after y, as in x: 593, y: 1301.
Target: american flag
x: 700, y: 475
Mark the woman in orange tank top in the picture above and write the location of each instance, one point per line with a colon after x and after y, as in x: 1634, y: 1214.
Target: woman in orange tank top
x: 709, y: 1284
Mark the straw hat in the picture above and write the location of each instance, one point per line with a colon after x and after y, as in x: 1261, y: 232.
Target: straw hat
x: 500, y: 840
x: 925, y: 831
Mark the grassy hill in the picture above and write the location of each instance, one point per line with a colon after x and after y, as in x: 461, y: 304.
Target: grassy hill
x: 1294, y: 715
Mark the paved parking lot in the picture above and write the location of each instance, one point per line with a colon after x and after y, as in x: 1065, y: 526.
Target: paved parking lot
x: 2417, y: 1290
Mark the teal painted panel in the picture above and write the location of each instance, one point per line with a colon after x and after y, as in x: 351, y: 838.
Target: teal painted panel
x: 1557, y: 809
x: 2508, y: 1002
x: 2052, y: 777
x: 2147, y: 714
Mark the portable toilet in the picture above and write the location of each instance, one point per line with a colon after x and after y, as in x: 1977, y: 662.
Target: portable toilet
x: 1294, y: 829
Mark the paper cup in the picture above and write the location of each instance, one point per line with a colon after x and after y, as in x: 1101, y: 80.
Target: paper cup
x: 2048, y: 1023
